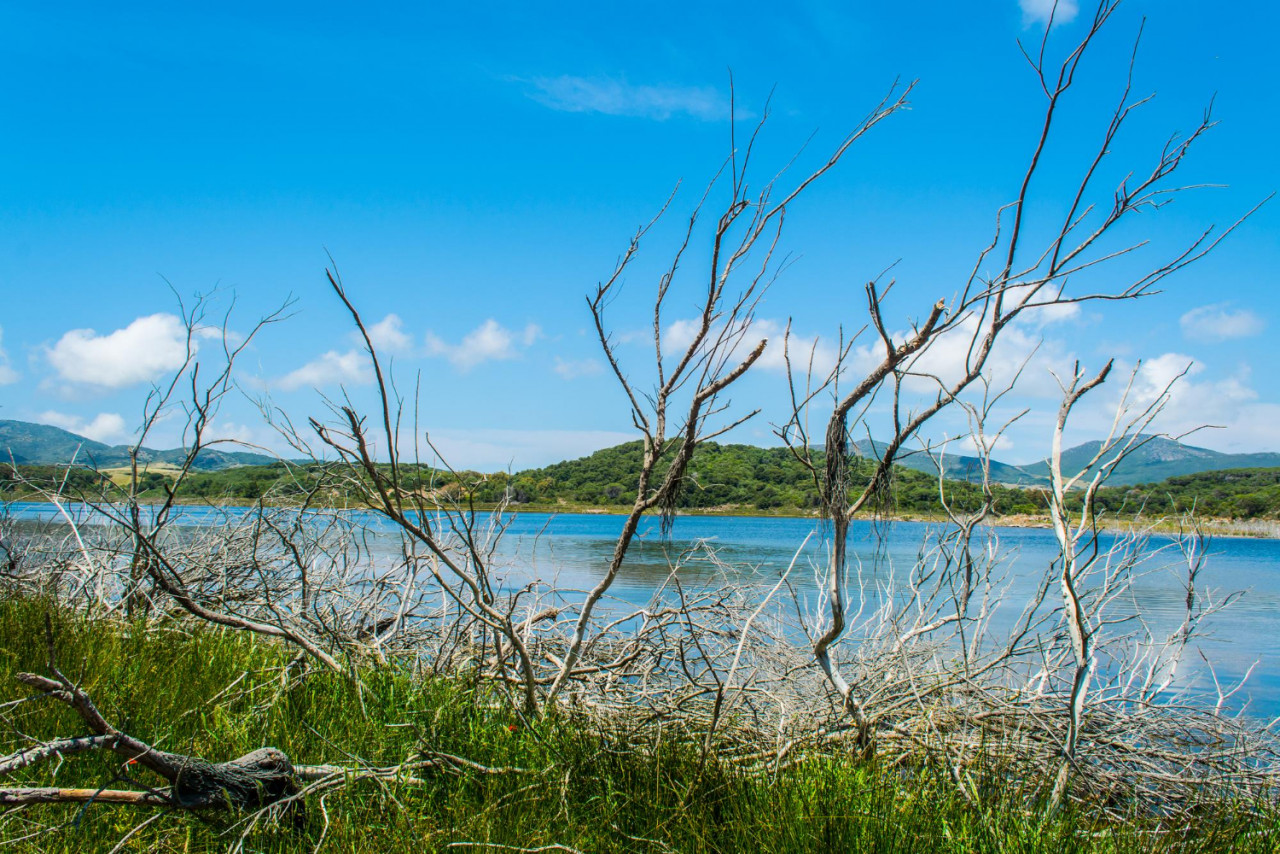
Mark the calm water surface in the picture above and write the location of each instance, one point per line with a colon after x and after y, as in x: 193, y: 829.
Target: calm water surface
x: 571, y: 550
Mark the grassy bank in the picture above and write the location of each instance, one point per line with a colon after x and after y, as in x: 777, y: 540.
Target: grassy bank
x: 587, y: 786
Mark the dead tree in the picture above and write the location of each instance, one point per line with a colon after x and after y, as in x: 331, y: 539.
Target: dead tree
x: 1089, y: 575
x: 684, y: 407
x: 199, y: 399
x: 242, y: 588
x: 707, y: 656
x: 1027, y: 278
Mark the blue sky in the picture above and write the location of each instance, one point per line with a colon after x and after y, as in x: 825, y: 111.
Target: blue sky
x: 475, y: 171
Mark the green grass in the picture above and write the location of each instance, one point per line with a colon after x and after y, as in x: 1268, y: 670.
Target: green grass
x: 220, y: 694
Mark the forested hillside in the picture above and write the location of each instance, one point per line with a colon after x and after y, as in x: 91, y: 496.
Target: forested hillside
x: 725, y: 478
x: 1236, y: 493
x: 722, y: 478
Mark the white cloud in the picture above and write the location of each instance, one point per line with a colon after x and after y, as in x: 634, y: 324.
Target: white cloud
x: 572, y: 369
x: 1168, y: 371
x: 619, y: 98
x: 1021, y: 351
x: 254, y: 438
x: 1249, y: 429
x: 1040, y: 11
x: 1195, y: 401
x: 1228, y: 402
x: 1021, y: 343
x: 678, y: 336
x: 488, y: 342
x: 105, y: 427
x: 388, y: 335
x: 680, y: 333
x: 1001, y: 444
x: 1219, y: 322
x: 333, y: 368
x: 7, y: 374
x: 1040, y: 310
x: 140, y: 352
x: 806, y: 351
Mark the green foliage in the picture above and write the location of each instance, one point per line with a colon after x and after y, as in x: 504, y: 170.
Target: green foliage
x: 246, y: 483
x: 744, y: 477
x: 734, y: 478
x: 615, y: 786
x: 27, y: 481
x: 1236, y: 493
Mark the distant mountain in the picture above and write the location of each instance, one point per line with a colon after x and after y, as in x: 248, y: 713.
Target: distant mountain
x: 1157, y: 459
x: 957, y: 466
x: 40, y: 444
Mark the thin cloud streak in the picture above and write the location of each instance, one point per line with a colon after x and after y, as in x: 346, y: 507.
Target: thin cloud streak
x: 572, y: 369
x: 501, y: 449
x: 571, y: 94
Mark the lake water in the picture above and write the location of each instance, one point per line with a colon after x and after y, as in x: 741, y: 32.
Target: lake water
x: 572, y: 550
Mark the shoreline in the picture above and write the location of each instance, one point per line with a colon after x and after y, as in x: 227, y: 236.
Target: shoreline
x: 1246, y: 529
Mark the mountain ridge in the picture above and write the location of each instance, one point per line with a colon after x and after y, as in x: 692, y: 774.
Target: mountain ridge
x: 1156, y: 459
x: 28, y: 443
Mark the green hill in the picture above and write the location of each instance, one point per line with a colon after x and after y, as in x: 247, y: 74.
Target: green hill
x: 1158, y: 459
x: 1155, y: 479
x: 40, y: 444
x: 742, y: 477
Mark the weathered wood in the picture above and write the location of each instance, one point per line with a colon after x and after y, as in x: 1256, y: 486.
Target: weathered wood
x: 167, y: 765
x: 52, y: 795
x: 47, y: 750
x: 254, y: 780
x: 257, y: 779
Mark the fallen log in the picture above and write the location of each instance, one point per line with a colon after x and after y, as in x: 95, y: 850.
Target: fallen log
x: 257, y: 779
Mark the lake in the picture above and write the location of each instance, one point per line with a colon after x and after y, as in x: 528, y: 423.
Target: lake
x: 572, y: 551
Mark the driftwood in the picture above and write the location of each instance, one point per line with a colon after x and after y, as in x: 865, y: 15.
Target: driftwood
x: 257, y: 779
x: 260, y: 779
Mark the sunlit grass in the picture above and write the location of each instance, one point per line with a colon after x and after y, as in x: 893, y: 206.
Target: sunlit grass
x: 592, y: 788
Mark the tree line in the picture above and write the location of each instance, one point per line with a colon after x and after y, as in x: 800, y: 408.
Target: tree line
x: 727, y: 478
